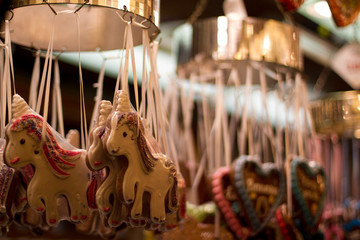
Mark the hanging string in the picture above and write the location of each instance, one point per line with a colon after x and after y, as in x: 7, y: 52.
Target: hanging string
x: 48, y: 82
x: 268, y: 128
x: 243, y: 130
x: 35, y: 78
x: 57, y: 101
x: 46, y: 63
x: 99, y: 91
x: 83, y: 129
x: 117, y: 85
x: 298, y: 95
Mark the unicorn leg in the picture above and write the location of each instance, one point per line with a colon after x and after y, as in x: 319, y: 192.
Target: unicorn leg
x: 118, y: 214
x: 78, y: 207
x: 136, y: 210
x: 52, y: 216
x: 128, y: 187
x: 157, y: 207
x: 34, y: 200
x: 103, y: 197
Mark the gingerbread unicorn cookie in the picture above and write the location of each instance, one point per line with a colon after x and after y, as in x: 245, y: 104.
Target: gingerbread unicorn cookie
x: 149, y: 174
x: 60, y: 169
x: 107, y: 199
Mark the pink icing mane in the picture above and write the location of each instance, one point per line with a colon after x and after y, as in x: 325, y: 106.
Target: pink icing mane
x: 57, y: 157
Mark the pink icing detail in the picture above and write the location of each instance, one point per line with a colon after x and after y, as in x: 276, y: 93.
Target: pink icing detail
x: 83, y: 217
x: 52, y: 220
x: 115, y: 222
x: 40, y: 209
x: 74, y: 217
x: 106, y: 209
x: 224, y: 205
x: 15, y: 160
x: 23, y: 199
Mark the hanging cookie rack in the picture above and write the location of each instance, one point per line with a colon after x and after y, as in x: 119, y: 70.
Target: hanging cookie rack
x: 100, y: 23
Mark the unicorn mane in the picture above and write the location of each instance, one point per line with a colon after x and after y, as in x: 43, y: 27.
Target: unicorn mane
x: 58, y: 158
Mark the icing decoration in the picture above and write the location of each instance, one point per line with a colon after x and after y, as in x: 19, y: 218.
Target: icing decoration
x: 149, y: 174
x: 108, y: 201
x: 308, y: 185
x: 261, y: 191
x: 344, y: 12
x: 58, y: 171
x: 228, y: 202
x: 12, y: 194
x: 6, y: 194
x: 287, y: 229
x: 192, y: 230
x: 291, y: 5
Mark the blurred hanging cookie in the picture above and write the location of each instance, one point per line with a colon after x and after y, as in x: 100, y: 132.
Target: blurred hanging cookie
x: 149, y: 183
x: 108, y: 200
x: 308, y: 186
x: 344, y: 12
x: 60, y: 169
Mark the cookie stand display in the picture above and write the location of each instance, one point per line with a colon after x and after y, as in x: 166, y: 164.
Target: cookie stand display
x: 251, y: 115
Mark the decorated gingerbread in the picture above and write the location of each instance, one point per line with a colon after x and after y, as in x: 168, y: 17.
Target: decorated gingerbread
x: 107, y: 198
x: 60, y: 169
x: 261, y: 190
x: 150, y: 175
x: 308, y: 186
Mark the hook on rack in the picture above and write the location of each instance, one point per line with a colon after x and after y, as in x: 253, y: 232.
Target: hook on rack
x: 12, y: 14
x: 82, y: 5
x: 51, y: 8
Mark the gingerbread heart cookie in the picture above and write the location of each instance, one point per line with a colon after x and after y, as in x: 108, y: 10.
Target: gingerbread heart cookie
x: 308, y: 186
x: 261, y: 190
x: 228, y: 202
x: 344, y: 12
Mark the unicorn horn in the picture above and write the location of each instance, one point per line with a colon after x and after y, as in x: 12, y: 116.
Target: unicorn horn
x: 105, y: 108
x: 123, y: 102
x: 19, y: 107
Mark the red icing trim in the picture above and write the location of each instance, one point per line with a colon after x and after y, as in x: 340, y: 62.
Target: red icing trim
x: 52, y: 221
x: 40, y: 209
x: 224, y: 205
x: 282, y: 224
x: 97, y: 163
x: 83, y: 217
x: 15, y: 160
x: 106, y: 209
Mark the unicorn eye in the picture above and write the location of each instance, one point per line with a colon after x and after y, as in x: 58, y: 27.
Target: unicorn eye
x: 124, y: 134
x: 22, y: 141
x: 36, y: 152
